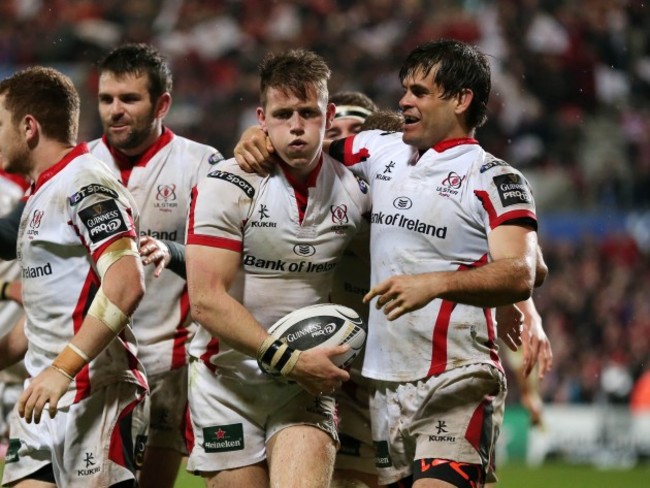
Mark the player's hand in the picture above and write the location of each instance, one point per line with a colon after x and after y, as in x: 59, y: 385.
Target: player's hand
x: 153, y: 251
x: 316, y: 372
x: 534, y: 405
x: 254, y: 152
x: 510, y: 326
x: 536, y: 346
x: 402, y: 294
x: 48, y: 387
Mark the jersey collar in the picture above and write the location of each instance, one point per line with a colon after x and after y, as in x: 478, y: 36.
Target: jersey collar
x: 126, y: 162
x: 311, y: 179
x: 17, y: 179
x: 449, y: 143
x: 49, y: 173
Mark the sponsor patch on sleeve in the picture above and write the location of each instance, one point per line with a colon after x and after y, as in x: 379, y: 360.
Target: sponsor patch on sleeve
x: 103, y: 220
x: 215, y: 158
x: 363, y: 185
x: 91, y: 190
x: 238, y: 181
x: 492, y: 163
x: 512, y: 189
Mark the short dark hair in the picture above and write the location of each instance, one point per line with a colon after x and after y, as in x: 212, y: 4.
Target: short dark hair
x: 354, y: 98
x: 293, y: 72
x: 459, y: 66
x: 138, y: 59
x: 386, y: 120
x: 49, y: 96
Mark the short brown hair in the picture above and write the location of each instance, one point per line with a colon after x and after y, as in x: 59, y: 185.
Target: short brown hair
x: 294, y: 72
x: 49, y: 96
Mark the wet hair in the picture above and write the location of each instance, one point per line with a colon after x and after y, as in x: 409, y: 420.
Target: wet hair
x: 457, y: 66
x: 138, y: 59
x: 294, y: 72
x: 49, y: 96
x: 386, y: 120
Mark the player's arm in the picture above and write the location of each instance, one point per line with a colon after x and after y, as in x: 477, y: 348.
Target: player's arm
x: 11, y: 290
x: 13, y: 346
x: 122, y: 288
x: 210, y: 273
x: 508, y: 279
x: 9, y: 232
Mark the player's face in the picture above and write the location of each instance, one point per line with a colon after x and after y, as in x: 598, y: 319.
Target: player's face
x: 296, y: 127
x: 129, y: 116
x: 428, y: 119
x: 343, y: 127
x: 14, y: 152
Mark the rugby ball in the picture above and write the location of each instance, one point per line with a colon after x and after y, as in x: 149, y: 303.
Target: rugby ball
x: 322, y: 325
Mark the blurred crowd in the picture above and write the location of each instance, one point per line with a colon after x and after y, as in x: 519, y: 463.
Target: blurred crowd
x: 570, y: 107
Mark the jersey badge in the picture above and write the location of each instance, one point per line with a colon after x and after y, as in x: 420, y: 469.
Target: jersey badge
x: 492, y: 163
x: 103, y: 220
x: 512, y: 189
x: 451, y: 185
x: 363, y: 185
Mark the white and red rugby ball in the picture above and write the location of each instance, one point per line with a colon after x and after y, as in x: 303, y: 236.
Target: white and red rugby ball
x: 322, y: 325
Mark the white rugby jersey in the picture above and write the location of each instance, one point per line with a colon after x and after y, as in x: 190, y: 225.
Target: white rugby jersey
x: 12, y: 189
x: 432, y: 212
x: 75, y: 210
x: 288, y: 251
x: 161, y: 182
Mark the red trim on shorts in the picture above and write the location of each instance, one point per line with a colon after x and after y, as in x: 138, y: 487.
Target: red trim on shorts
x: 116, y: 449
x: 189, y: 431
x: 179, y: 350
x: 475, y: 428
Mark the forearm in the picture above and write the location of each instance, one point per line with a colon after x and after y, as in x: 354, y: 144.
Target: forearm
x: 13, y: 346
x: 502, y: 282
x: 225, y: 318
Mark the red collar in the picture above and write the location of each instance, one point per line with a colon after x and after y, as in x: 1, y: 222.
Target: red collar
x: 449, y: 143
x: 49, y: 173
x: 125, y: 162
x: 311, y: 179
x: 19, y: 180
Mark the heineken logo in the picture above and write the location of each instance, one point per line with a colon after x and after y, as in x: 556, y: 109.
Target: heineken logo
x: 223, y: 438
x: 12, y: 451
x: 382, y: 456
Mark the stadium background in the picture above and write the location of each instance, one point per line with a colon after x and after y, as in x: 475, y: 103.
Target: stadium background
x: 570, y: 107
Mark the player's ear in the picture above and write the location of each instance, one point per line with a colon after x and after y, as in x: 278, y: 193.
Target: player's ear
x: 329, y: 115
x: 463, y: 100
x: 261, y: 118
x: 163, y: 104
x: 29, y: 128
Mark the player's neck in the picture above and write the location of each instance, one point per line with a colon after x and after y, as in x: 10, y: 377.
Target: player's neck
x: 46, y: 155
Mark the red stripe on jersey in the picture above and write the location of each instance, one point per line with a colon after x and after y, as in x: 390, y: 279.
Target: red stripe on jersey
x: 212, y: 349
x: 350, y: 158
x: 439, y: 342
x: 190, y: 218
x: 491, y: 330
x: 211, y: 241
x: 179, y: 351
x: 89, y: 288
x: 449, y: 143
x: 497, y: 220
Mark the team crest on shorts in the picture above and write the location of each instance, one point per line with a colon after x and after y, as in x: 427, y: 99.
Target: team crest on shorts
x: 223, y: 438
x: 382, y: 456
x: 12, y: 451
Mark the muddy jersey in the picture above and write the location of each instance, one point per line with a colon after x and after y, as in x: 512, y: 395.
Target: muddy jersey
x: 287, y: 256
x: 75, y: 210
x: 161, y: 181
x: 432, y: 212
x: 12, y: 189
